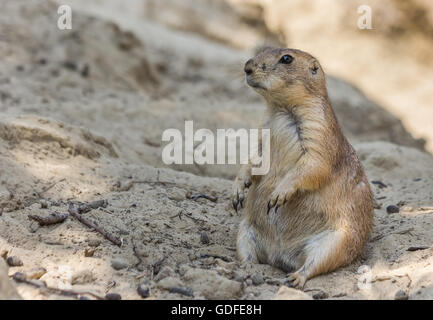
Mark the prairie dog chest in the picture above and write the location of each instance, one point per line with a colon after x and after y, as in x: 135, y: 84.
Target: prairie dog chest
x: 286, y: 140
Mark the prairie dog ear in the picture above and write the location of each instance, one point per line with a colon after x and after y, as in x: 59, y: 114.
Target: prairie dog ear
x: 315, y: 66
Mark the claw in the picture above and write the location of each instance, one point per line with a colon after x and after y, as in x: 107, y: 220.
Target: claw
x: 295, y: 281
x: 269, y: 206
x: 276, y: 208
x: 242, y: 203
x: 235, y: 205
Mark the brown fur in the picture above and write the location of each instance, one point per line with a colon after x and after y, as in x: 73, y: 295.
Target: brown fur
x: 318, y: 197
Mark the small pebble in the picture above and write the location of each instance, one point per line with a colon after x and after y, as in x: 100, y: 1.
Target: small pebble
x: 113, y: 296
x: 257, y: 279
x: 401, y: 295
x: 14, y: 261
x: 320, y: 295
x: 392, y: 209
x: 177, y: 195
x: 183, y: 291
x: 94, y: 242
x: 249, y: 282
x: 143, y: 290
x: 118, y: 264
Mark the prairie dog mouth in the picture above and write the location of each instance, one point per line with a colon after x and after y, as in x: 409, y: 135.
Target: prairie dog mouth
x: 254, y: 84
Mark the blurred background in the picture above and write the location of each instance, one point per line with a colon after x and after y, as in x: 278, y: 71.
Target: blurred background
x: 142, y: 66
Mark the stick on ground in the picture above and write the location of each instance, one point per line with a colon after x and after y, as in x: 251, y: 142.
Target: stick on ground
x: 75, y: 212
x: 20, y: 277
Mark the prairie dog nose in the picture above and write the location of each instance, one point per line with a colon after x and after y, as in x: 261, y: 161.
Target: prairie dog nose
x: 248, y: 67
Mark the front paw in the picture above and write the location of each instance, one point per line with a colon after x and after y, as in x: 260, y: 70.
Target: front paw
x: 295, y: 280
x: 279, y: 197
x: 239, y: 190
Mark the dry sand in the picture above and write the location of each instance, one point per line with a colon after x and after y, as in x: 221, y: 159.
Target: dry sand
x: 82, y: 117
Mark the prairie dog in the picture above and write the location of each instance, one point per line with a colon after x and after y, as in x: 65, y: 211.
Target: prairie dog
x: 313, y: 211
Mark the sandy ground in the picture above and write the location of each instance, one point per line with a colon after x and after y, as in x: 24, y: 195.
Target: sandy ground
x: 82, y: 117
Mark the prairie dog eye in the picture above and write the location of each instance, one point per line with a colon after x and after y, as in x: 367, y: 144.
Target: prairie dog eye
x: 286, y: 59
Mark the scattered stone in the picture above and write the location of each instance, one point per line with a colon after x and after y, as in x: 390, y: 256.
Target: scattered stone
x: 257, y: 279
x: 94, y: 242
x: 204, y: 238
x: 118, y: 264
x: 211, y: 285
x: 14, y: 261
x: 143, y: 290
x: 177, y: 195
x: 401, y: 295
x: 169, y: 282
x: 113, y: 296
x: 286, y: 293
x: 183, y: 291
x: 320, y: 295
x: 392, y: 209
x: 83, y: 277
x: 249, y: 282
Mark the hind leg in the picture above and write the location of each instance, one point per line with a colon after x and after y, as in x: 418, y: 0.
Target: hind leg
x: 247, y: 243
x: 323, y: 252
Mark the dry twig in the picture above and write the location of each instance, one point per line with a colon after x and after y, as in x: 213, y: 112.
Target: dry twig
x: 21, y: 278
x: 75, y: 212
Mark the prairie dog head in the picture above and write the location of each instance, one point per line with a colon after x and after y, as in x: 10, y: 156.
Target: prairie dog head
x: 286, y: 77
